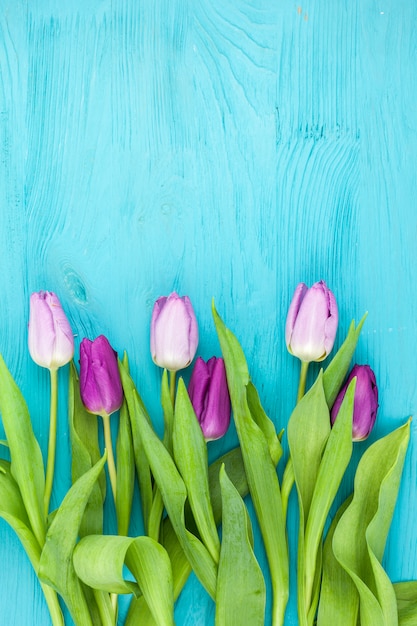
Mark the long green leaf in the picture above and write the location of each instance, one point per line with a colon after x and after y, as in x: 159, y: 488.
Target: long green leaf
x: 360, y: 536
x: 27, y: 464
x: 339, y: 598
x: 137, y: 407
x: 85, y: 452
x: 56, y: 566
x: 125, y: 472
x: 13, y: 511
x: 190, y: 455
x: 336, y: 457
x: 259, y: 467
x: 172, y: 489
x: 338, y: 367
x: 406, y: 594
x: 241, y: 593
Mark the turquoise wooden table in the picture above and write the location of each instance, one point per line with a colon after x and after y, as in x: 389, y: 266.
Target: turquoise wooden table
x: 219, y: 148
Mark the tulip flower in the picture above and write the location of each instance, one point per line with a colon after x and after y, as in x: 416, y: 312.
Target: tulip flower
x: 174, y: 332
x: 209, y: 395
x: 311, y: 324
x: 50, y: 339
x: 365, y: 403
x: 100, y: 384
x: 51, y: 345
x: 101, y: 389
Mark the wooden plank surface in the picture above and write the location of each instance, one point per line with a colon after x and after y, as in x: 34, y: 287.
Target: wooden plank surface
x: 220, y: 148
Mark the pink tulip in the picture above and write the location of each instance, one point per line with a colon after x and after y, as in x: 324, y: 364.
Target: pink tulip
x: 174, y: 332
x: 50, y: 339
x: 311, y: 324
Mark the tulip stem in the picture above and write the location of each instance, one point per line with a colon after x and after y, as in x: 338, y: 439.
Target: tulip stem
x: 172, y: 380
x: 288, y: 477
x: 303, y: 379
x: 50, y: 465
x: 111, y: 465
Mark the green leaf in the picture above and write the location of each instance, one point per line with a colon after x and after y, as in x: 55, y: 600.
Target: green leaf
x: 27, y: 464
x: 338, y: 367
x: 83, y: 428
x: 56, y: 566
x: 259, y: 467
x: 138, y: 611
x: 13, y: 511
x: 335, y: 459
x: 406, y: 595
x: 308, y: 431
x: 339, y: 598
x: 264, y: 423
x: 172, y: 489
x: 360, y: 536
x: 99, y: 562
x: 241, y: 594
x: 125, y: 471
x: 190, y: 455
x: 137, y: 411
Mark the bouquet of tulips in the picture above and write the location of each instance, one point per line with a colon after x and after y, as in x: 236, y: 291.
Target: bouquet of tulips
x: 184, y: 499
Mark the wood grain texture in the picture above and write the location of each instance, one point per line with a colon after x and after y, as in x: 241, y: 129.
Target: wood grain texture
x: 220, y: 148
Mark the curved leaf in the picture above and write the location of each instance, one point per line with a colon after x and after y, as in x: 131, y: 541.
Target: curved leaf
x: 27, y: 463
x: 360, y: 536
x: 190, y: 455
x: 241, y: 593
x: 56, y: 566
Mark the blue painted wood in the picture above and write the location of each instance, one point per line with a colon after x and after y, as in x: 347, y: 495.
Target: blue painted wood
x: 219, y: 148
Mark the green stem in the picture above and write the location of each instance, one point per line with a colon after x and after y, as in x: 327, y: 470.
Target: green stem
x: 172, y: 379
x: 53, y: 605
x: 302, y: 381
x: 111, y: 465
x: 288, y: 477
x: 50, y: 467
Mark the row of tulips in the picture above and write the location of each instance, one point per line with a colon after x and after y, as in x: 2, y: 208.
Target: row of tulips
x: 75, y: 561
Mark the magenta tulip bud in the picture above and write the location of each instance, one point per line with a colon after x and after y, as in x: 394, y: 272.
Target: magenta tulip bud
x: 50, y: 339
x: 365, y: 403
x: 174, y: 332
x: 311, y: 325
x: 209, y: 395
x: 100, y: 384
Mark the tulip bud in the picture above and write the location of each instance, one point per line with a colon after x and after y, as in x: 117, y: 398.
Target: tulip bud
x: 209, y: 395
x: 311, y: 324
x: 174, y: 332
x: 100, y: 384
x: 50, y: 339
x: 365, y: 403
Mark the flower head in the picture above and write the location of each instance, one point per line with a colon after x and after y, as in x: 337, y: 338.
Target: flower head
x: 365, y: 403
x: 311, y: 324
x: 50, y: 339
x: 100, y: 384
x: 209, y: 395
x: 174, y: 332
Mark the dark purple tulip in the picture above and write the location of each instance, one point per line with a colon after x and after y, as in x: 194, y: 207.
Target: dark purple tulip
x: 365, y: 403
x: 311, y: 325
x: 209, y: 395
x: 100, y: 384
x: 50, y: 340
x: 174, y: 332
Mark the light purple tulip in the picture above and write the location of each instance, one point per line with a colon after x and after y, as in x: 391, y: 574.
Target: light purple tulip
x: 50, y: 338
x: 311, y: 324
x: 100, y: 384
x: 365, y: 404
x: 174, y: 332
x: 209, y: 395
